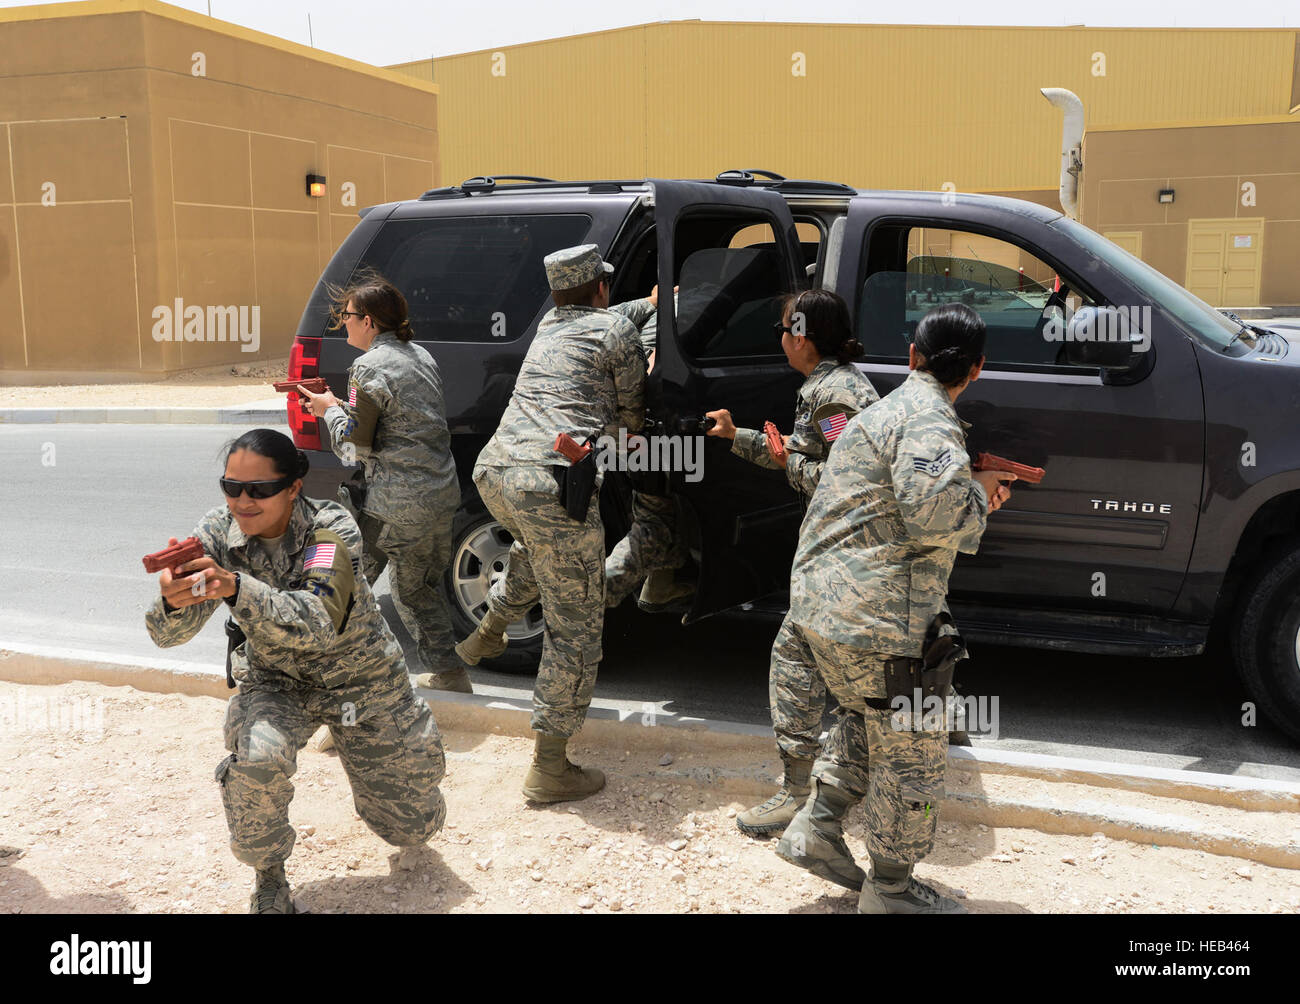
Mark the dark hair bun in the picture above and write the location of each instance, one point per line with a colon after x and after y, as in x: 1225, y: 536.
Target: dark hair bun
x: 951, y: 340
x: 848, y: 351
x: 304, y: 465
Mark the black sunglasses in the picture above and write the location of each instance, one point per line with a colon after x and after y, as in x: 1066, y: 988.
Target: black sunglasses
x: 255, y: 489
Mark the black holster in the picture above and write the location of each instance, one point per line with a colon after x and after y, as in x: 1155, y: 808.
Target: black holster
x: 234, y: 638
x: 577, y: 482
x: 352, y: 493
x: 931, y: 674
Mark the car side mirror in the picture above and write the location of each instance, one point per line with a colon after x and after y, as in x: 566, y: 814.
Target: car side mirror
x: 1107, y: 337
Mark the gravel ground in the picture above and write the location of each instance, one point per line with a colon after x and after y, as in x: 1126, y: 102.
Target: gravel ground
x: 213, y: 386
x: 107, y: 805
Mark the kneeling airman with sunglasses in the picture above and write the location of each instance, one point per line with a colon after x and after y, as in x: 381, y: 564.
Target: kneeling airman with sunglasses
x: 315, y: 651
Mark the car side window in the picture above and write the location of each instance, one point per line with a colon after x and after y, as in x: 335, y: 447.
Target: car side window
x: 472, y: 278
x: 1019, y: 296
x: 730, y: 283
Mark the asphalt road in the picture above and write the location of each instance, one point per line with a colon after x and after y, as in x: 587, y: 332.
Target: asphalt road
x: 82, y: 503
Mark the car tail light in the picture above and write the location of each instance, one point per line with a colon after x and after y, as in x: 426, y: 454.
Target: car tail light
x: 304, y: 362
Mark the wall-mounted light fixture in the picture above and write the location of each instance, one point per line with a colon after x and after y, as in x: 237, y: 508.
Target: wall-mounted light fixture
x: 1166, y: 195
x: 316, y: 186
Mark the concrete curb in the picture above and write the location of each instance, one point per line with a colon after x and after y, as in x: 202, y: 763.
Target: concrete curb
x: 144, y: 416
x: 1228, y: 790
x: 617, y: 728
x: 1119, y: 822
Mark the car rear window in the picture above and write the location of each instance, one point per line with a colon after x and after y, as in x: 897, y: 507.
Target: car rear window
x: 472, y: 278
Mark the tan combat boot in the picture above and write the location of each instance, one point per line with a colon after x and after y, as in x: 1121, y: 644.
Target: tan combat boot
x: 552, y: 778
x: 815, y: 837
x: 487, y: 642
x: 892, y: 889
x: 775, y: 814
x: 456, y: 681
x: 323, y: 741
x: 662, y: 592
x: 271, y: 892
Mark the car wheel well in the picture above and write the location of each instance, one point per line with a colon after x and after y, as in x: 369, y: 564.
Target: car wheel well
x: 1275, y: 521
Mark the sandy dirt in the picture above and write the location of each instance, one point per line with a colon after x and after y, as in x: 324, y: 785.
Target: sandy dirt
x: 213, y: 386
x: 107, y: 804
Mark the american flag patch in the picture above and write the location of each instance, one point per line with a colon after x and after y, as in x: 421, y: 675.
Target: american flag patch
x: 832, y: 427
x: 352, y: 395
x: 318, y: 556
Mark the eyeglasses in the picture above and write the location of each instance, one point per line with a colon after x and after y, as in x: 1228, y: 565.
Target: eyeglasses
x: 780, y: 329
x: 351, y: 313
x: 255, y: 489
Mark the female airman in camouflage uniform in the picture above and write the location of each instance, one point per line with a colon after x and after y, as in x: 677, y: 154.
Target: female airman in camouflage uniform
x: 395, y: 423
x: 316, y: 651
x: 896, y: 503
x: 818, y: 340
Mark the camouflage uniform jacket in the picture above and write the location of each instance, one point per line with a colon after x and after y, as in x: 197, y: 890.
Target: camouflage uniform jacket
x: 584, y: 374
x: 395, y: 424
x: 830, y: 382
x: 895, y: 504
x: 318, y: 624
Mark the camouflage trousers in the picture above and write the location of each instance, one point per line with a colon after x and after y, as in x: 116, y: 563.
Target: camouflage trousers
x: 901, y: 762
x: 904, y: 761
x: 561, y: 561
x: 652, y: 543
x: 387, y: 741
x: 416, y: 556
x: 797, y: 694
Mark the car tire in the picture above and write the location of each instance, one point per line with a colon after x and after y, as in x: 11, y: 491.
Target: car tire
x: 1266, y: 638
x: 478, y: 552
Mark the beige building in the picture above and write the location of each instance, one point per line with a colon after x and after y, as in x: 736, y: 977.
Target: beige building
x: 918, y: 107
x: 154, y: 212
x: 1230, y: 230
x: 154, y: 163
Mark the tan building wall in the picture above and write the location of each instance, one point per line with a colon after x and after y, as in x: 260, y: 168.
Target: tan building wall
x: 1227, y: 180
x: 913, y: 107
x: 877, y: 106
x: 129, y: 179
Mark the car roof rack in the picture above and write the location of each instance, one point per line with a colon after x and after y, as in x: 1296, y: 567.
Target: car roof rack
x: 746, y: 177
x: 486, y: 184
x: 795, y: 185
x: 750, y: 177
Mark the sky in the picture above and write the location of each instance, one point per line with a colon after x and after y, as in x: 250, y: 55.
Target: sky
x: 383, y: 32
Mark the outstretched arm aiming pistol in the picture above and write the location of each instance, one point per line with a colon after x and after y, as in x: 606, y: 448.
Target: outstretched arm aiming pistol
x: 992, y: 462
x: 316, y: 385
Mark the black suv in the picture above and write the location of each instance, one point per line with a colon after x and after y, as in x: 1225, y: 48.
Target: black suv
x: 1171, y: 504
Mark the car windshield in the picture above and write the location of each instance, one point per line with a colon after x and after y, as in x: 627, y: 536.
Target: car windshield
x: 1198, y: 316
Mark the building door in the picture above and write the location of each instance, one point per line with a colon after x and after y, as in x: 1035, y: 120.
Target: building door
x: 1129, y: 240
x: 1223, y: 261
